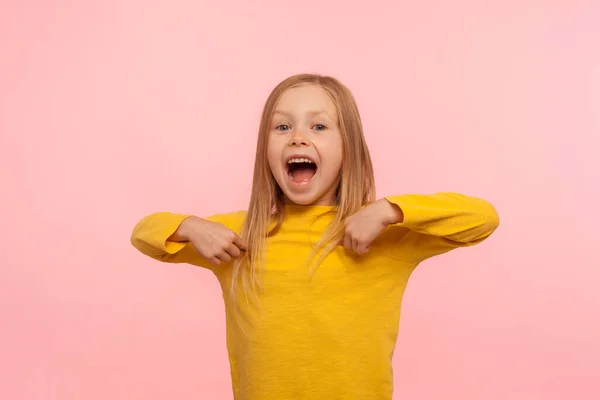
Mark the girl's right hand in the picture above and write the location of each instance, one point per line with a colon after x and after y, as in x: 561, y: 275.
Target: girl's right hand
x: 213, y: 241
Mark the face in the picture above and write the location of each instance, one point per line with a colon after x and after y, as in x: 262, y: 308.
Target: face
x: 305, y: 146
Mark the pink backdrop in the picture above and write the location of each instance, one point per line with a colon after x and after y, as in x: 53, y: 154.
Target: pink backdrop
x: 111, y: 110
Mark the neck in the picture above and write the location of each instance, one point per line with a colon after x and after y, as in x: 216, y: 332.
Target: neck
x: 325, y: 202
x: 299, y: 210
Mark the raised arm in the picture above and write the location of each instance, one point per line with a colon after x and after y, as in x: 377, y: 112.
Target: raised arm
x: 438, y: 223
x: 179, y: 238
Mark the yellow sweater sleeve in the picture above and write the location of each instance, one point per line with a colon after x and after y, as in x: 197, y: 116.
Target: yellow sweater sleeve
x: 441, y: 222
x: 151, y: 237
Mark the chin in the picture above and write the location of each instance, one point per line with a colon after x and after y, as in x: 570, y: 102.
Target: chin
x: 308, y: 199
x: 301, y: 199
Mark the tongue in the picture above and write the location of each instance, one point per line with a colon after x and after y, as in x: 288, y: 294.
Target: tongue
x: 302, y: 174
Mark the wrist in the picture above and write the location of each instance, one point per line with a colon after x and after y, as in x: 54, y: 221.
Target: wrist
x: 392, y: 212
x: 187, y: 227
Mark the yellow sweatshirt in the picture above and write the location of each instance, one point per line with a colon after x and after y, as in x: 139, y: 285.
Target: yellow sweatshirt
x: 333, y: 336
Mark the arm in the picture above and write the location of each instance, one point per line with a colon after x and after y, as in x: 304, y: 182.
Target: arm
x: 159, y: 236
x: 165, y: 236
x: 435, y: 224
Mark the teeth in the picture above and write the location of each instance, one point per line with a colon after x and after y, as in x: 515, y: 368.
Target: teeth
x: 300, y: 160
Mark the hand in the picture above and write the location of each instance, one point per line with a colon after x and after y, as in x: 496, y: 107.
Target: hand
x: 213, y: 241
x: 367, y: 224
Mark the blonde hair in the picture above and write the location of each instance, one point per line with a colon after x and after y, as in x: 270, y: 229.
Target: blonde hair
x: 356, y: 185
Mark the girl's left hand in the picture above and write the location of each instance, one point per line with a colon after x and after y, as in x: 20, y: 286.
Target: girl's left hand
x: 367, y: 224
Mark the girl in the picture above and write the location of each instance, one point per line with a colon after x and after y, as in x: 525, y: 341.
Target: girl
x: 314, y: 271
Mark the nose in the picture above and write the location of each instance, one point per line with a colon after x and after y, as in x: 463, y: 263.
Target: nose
x: 298, y: 139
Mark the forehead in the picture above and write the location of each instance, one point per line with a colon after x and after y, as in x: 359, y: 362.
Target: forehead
x: 306, y: 99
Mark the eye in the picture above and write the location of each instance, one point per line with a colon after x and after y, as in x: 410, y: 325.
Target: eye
x: 319, y: 127
x: 282, y: 128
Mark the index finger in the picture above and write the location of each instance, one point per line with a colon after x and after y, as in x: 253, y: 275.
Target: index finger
x: 239, y: 243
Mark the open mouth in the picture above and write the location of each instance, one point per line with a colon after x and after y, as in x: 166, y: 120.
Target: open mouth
x: 301, y: 169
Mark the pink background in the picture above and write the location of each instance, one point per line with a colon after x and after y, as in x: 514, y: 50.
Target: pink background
x: 110, y: 110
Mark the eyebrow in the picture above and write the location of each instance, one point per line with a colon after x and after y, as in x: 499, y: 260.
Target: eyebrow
x: 315, y: 112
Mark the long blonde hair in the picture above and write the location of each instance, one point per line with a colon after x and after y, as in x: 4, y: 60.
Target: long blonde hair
x: 356, y: 185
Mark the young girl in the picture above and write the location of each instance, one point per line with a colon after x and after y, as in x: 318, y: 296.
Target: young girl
x: 314, y: 271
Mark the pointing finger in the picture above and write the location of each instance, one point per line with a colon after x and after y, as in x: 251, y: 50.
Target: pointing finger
x: 239, y: 242
x: 355, y: 246
x: 347, y: 242
x: 233, y: 250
